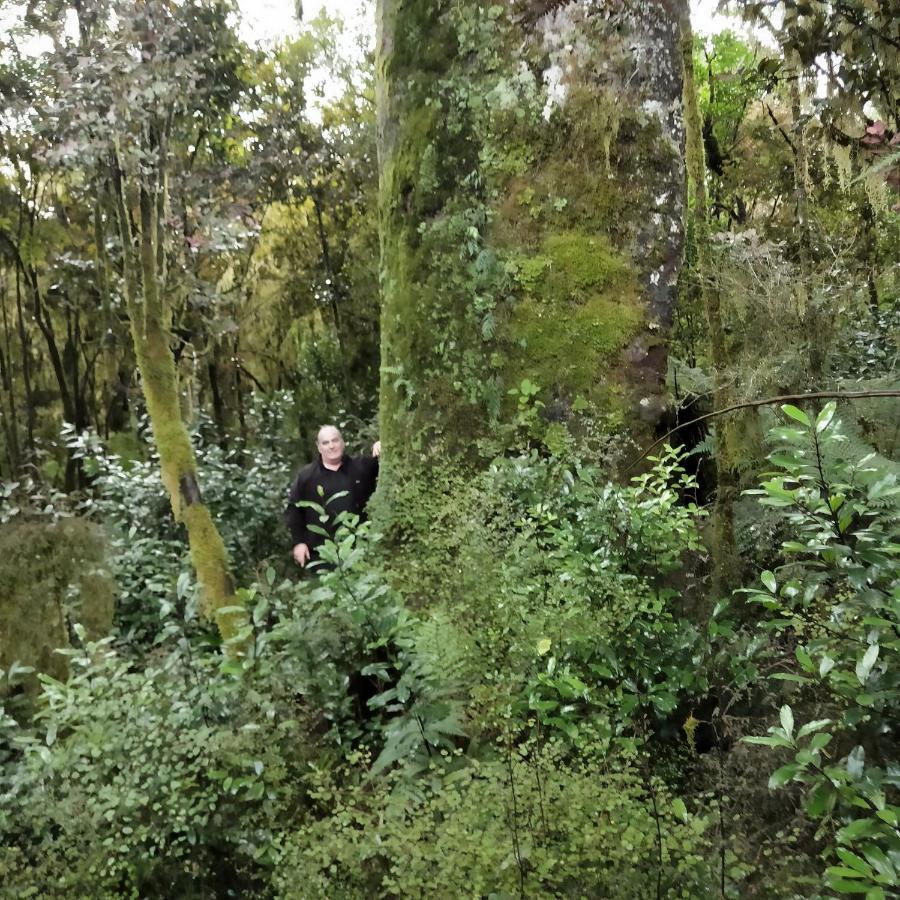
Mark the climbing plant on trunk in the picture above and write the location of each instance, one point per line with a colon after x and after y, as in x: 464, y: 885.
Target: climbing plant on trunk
x: 531, y: 214
x: 725, y: 559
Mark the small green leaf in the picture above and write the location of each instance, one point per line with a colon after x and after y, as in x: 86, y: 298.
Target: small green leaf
x: 823, y: 420
x: 855, y: 862
x: 864, y: 666
x: 888, y: 815
x: 842, y: 872
x: 880, y: 862
x: 783, y: 775
x: 820, y: 741
x: 804, y: 659
x: 768, y: 579
x: 810, y: 727
x: 680, y: 809
x: 785, y: 460
x: 787, y: 720
x: 821, y: 798
x: 856, y: 829
x: 847, y: 887
x: 856, y: 761
x: 543, y: 646
x: 774, y: 741
x: 797, y: 414
x: 790, y: 676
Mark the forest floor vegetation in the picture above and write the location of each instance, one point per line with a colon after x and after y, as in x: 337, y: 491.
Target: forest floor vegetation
x: 580, y: 721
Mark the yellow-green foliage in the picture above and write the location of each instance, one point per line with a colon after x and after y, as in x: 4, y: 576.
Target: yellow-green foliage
x: 533, y: 821
x: 53, y: 576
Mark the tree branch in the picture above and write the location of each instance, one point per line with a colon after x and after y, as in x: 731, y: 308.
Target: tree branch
x: 748, y: 404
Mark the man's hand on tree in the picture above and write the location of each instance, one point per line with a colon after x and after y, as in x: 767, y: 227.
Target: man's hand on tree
x: 301, y: 554
x: 376, y: 449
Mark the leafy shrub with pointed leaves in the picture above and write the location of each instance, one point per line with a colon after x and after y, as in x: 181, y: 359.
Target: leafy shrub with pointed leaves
x: 585, y: 620
x: 838, y: 599
x: 160, y: 781
x: 378, y: 673
x: 244, y: 488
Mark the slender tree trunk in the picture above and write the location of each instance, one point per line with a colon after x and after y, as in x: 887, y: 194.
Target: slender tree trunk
x: 239, y: 396
x: 45, y: 325
x: 212, y: 372
x: 869, y: 254
x: 334, y: 293
x: 25, y: 347
x: 112, y: 400
x: 333, y: 289
x: 724, y: 552
x: 11, y: 421
x: 150, y: 321
x: 40, y: 312
x: 808, y: 304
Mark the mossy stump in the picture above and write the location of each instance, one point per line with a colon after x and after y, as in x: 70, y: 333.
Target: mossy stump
x: 54, y: 576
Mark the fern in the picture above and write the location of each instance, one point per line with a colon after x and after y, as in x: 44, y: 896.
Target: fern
x: 427, y: 699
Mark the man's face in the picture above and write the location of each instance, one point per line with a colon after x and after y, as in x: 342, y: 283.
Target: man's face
x: 330, y: 444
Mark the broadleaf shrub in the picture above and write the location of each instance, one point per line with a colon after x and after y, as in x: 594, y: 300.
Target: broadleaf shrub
x: 837, y: 600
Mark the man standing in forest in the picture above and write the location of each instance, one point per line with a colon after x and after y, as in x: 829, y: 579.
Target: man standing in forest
x: 334, y: 473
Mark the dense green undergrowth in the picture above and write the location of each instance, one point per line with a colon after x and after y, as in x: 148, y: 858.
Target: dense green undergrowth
x: 574, y: 718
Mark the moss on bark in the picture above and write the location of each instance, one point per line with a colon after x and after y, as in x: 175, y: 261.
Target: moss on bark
x: 54, y: 576
x: 178, y: 469
x: 150, y: 316
x: 531, y: 206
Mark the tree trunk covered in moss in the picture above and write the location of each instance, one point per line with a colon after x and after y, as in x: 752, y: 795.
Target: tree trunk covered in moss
x: 724, y: 552
x: 531, y: 209
x: 150, y: 319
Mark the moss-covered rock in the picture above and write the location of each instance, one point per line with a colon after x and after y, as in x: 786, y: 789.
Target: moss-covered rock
x: 53, y: 576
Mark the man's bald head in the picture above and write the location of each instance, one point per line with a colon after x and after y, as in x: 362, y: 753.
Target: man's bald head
x: 330, y: 444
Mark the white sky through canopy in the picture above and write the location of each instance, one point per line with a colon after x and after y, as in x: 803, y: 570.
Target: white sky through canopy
x: 270, y: 20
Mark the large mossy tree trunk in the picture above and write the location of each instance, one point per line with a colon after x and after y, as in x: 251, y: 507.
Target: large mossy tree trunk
x: 531, y: 212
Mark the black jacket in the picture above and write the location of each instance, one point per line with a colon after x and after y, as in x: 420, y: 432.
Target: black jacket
x: 356, y: 476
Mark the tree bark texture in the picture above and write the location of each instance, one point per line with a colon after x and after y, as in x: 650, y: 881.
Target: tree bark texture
x: 531, y: 210
x: 150, y: 319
